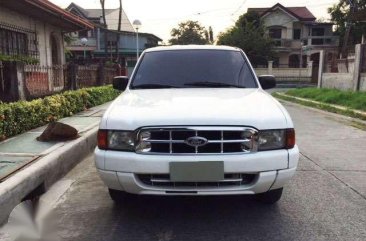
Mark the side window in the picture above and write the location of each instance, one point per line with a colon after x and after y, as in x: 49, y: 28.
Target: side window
x: 13, y: 43
x: 297, y: 34
x: 275, y: 33
x: 317, y: 32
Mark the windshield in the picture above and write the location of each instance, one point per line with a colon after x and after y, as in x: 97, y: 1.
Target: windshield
x: 193, y: 69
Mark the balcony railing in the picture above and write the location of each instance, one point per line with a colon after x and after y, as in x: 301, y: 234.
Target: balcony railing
x: 283, y: 42
x: 308, y: 41
x: 321, y: 41
x: 92, y: 42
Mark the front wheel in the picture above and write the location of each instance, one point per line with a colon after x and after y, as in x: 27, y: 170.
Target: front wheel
x: 270, y: 197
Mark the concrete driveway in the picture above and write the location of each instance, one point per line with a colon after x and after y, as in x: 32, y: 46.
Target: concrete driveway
x: 325, y: 200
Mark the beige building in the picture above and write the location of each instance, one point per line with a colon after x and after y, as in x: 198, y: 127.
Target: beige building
x: 35, y: 29
x: 32, y: 32
x: 299, y: 38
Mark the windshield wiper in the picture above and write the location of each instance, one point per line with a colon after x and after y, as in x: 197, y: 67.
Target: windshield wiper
x: 153, y: 86
x: 212, y: 84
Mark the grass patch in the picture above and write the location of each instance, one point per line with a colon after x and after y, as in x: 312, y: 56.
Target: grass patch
x: 322, y: 106
x: 348, y: 99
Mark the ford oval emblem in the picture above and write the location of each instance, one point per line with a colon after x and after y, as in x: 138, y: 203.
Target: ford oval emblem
x: 196, y: 141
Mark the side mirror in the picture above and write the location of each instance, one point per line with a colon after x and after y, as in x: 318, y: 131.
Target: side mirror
x: 120, y: 82
x: 267, y: 81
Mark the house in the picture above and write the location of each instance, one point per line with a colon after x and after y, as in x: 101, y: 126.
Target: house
x: 95, y: 16
x: 101, y: 42
x: 34, y: 30
x: 298, y: 37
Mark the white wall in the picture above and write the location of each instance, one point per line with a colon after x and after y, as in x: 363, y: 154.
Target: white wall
x: 343, y: 81
x: 43, y: 31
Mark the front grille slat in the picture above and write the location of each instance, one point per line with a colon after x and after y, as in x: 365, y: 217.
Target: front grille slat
x: 170, y: 142
x: 176, y: 140
x: 163, y: 180
x: 222, y: 142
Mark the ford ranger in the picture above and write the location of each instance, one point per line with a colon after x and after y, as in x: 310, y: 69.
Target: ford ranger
x: 195, y: 120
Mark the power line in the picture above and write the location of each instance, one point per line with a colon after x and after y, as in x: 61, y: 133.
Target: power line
x: 238, y: 9
x: 213, y: 10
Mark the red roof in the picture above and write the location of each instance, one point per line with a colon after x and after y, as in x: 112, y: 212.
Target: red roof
x: 69, y: 16
x: 301, y: 13
x: 48, y: 12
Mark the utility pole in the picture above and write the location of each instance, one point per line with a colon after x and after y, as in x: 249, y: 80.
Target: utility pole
x: 300, y: 62
x: 119, y: 30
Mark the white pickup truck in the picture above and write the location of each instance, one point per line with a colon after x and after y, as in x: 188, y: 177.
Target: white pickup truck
x: 195, y: 120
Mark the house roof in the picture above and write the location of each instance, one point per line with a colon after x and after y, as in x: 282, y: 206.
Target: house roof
x: 89, y: 13
x: 45, y: 10
x: 95, y: 14
x: 301, y: 13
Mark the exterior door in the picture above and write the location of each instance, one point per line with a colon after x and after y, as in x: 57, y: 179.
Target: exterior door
x: 315, y: 72
x: 56, y: 72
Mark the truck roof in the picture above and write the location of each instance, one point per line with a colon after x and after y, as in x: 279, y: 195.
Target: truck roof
x: 191, y: 47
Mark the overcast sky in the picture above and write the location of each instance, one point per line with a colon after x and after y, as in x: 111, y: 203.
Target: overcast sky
x: 160, y: 16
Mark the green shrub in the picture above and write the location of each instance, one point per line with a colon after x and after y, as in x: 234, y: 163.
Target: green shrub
x: 18, y: 58
x: 21, y: 116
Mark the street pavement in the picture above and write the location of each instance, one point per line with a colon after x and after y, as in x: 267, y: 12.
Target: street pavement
x: 326, y: 200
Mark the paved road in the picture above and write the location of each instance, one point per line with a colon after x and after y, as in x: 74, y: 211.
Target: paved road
x: 325, y: 201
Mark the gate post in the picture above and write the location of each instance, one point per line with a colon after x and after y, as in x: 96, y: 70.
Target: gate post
x: 101, y: 75
x: 357, y: 69
x: 270, y: 67
x: 321, y: 69
x: 72, y: 76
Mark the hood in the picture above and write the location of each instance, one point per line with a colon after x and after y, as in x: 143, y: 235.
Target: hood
x: 195, y: 106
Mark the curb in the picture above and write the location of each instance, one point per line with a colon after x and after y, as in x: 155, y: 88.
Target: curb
x: 331, y: 114
x: 338, y: 107
x: 44, y: 172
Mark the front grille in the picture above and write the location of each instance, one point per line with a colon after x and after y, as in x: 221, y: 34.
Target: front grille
x: 178, y: 140
x: 163, y: 181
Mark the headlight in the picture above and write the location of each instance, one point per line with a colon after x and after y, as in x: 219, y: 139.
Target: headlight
x: 121, y: 140
x: 276, y: 139
x: 116, y: 140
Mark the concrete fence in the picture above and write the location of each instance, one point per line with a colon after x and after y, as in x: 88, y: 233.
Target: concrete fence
x: 19, y: 81
x: 344, y: 74
x: 287, y: 73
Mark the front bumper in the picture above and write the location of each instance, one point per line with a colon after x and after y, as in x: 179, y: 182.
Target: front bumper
x: 129, y: 183
x: 272, y: 168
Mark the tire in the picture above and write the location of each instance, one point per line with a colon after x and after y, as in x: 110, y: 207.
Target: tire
x: 119, y: 197
x: 270, y: 197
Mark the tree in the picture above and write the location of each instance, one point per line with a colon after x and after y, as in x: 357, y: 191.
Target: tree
x: 249, y: 34
x: 189, y: 32
x: 341, y: 14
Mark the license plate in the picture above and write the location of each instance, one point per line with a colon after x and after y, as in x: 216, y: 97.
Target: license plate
x: 208, y: 171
